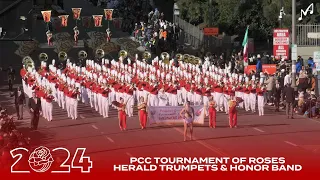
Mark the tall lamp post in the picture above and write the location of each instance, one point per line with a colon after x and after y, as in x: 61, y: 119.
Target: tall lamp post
x: 294, y: 42
x: 210, y: 24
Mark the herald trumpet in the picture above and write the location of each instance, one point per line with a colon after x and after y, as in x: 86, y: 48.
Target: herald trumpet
x: 197, y: 60
x: 99, y: 53
x: 123, y: 54
x: 82, y: 54
x: 191, y: 59
x: 186, y: 58
x: 43, y: 57
x: 165, y: 56
x: 179, y: 57
x: 146, y: 55
x: 62, y: 56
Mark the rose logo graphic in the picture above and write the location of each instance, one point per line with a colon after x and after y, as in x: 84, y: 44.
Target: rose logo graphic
x: 40, y: 160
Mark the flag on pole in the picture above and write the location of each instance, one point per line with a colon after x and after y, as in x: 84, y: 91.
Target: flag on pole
x: 245, y: 46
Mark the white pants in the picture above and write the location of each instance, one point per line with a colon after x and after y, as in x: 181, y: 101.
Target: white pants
x: 261, y: 105
x: 130, y: 103
x: 91, y: 97
x: 190, y: 97
x: 219, y: 100
x: 100, y: 103
x: 95, y: 101
x: 197, y: 99
x: 153, y: 100
x: 179, y: 94
x: 105, y: 107
x: 73, y: 106
x: 253, y: 100
x: 49, y: 111
x: 44, y: 108
x: 174, y: 100
x: 225, y: 103
x: 163, y: 99
x: 139, y: 94
x: 61, y: 99
x: 246, y: 98
x: 241, y: 94
x: 112, y: 96
x: 205, y: 103
x: 68, y: 106
x: 183, y: 95
x: 84, y: 95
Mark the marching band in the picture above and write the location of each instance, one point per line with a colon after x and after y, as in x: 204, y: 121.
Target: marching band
x: 156, y: 84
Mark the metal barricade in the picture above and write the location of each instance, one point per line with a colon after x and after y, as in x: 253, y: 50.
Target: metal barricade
x: 308, y: 35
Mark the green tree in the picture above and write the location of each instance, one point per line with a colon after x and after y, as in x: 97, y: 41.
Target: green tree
x: 232, y: 16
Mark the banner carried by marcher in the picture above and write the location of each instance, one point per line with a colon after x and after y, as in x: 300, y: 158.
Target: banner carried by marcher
x: 46, y: 16
x: 76, y: 13
x: 108, y: 14
x: 64, y: 20
x: 97, y: 20
x: 171, y: 115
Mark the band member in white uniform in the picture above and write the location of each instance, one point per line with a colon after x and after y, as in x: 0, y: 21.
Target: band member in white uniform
x: 49, y: 38
x: 163, y: 98
x: 108, y: 35
x: 76, y: 34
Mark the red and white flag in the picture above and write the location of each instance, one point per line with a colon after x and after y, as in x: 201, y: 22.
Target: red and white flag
x: 46, y: 16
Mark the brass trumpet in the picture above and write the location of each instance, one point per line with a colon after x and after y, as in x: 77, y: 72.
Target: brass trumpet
x: 82, y: 54
x: 191, y: 59
x: 62, y: 56
x: 123, y: 54
x: 146, y: 55
x: 43, y: 57
x: 186, y: 58
x: 100, y: 53
x: 28, y: 62
x: 179, y: 57
x: 197, y: 60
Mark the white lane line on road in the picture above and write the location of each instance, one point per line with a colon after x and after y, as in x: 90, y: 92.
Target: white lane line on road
x: 82, y: 117
x: 257, y: 129
x: 95, y: 127
x: 111, y: 140
x: 130, y: 155
x: 214, y: 149
x: 292, y: 144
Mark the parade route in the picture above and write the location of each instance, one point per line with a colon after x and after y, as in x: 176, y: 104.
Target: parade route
x: 269, y: 135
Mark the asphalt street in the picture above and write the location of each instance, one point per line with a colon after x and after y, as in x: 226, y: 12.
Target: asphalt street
x: 270, y: 135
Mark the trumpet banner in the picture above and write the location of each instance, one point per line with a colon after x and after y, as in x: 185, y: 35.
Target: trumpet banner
x: 64, y: 20
x: 76, y: 13
x: 46, y: 16
x: 108, y: 14
x: 97, y: 20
